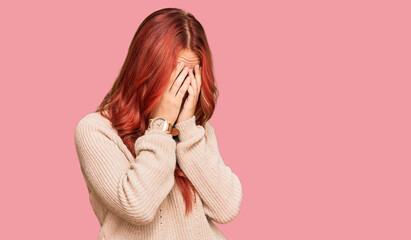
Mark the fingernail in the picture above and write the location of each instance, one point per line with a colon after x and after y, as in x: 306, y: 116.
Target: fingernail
x: 180, y: 64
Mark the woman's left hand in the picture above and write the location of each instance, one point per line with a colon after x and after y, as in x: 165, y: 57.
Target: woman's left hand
x: 189, y: 105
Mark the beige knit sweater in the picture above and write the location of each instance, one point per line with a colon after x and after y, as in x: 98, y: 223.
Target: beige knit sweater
x: 137, y: 198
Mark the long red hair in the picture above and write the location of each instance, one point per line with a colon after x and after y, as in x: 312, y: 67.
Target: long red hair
x: 147, y: 69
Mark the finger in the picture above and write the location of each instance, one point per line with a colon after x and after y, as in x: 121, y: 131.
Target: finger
x: 190, y: 98
x: 191, y: 90
x: 182, y: 91
x: 198, y: 76
x: 174, y: 74
x: 179, y: 81
x: 194, y: 81
x: 177, y: 76
x: 177, y: 72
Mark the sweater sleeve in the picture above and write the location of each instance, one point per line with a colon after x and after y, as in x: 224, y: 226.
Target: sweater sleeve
x: 199, y: 158
x: 131, y: 190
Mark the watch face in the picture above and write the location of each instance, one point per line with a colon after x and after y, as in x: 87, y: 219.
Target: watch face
x: 159, y: 123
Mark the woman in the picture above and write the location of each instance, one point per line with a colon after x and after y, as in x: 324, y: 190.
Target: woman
x: 148, y: 155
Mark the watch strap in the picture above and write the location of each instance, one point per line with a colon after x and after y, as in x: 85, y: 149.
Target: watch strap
x: 169, y: 130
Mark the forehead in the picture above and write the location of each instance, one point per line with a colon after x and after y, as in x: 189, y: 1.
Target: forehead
x: 189, y: 58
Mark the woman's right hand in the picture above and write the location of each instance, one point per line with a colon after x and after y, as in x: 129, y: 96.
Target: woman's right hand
x: 170, y: 102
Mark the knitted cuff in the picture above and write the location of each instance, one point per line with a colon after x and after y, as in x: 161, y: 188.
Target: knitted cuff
x: 186, y: 128
x: 155, y: 138
x: 157, y: 131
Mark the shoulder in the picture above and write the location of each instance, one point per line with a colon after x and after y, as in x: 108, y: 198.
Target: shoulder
x: 93, y: 123
x: 90, y: 119
x: 209, y: 130
x: 208, y: 126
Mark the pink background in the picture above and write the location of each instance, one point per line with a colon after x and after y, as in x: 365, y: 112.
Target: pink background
x: 314, y: 112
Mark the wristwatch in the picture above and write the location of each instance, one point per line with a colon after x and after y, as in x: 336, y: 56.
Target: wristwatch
x: 160, y: 123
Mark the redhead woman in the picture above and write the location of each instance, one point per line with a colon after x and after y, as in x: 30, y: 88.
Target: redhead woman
x: 148, y: 154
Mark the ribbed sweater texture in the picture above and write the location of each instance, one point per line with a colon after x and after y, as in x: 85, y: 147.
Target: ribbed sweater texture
x: 138, y: 198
